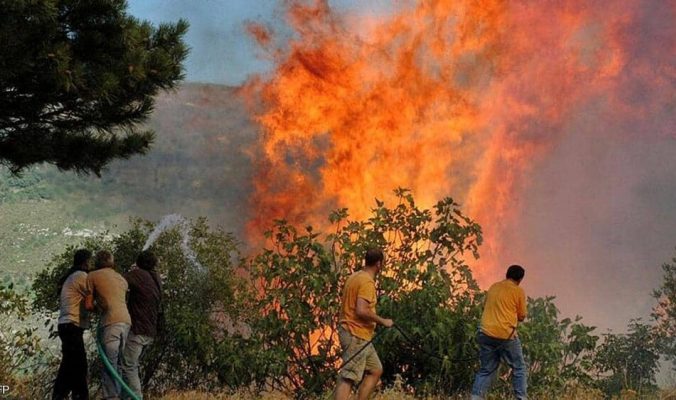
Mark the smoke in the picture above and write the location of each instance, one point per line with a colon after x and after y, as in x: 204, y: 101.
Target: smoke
x: 596, y: 223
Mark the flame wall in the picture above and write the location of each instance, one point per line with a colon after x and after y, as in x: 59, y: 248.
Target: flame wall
x: 462, y: 98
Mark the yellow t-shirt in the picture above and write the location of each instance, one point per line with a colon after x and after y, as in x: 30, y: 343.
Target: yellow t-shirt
x: 359, y: 284
x: 505, y: 305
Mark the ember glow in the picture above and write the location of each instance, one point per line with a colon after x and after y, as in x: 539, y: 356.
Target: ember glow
x: 459, y: 98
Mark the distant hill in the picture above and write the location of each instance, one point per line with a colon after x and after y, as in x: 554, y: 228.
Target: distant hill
x: 198, y: 166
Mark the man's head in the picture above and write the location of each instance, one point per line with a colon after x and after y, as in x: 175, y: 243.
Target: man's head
x: 146, y: 260
x: 515, y: 273
x: 104, y: 259
x: 81, y: 259
x: 374, y: 258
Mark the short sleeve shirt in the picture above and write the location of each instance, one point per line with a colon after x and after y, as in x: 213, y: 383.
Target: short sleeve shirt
x: 71, y: 300
x: 505, y: 305
x: 110, y: 291
x: 358, y: 285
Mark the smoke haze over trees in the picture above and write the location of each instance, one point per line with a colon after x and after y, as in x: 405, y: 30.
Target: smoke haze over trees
x: 595, y: 239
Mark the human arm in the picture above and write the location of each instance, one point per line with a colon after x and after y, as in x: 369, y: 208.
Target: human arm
x: 89, y: 302
x: 522, y: 310
x: 363, y: 311
x: 89, y: 295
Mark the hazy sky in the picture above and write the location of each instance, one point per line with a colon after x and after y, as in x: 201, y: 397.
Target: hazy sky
x: 221, y: 51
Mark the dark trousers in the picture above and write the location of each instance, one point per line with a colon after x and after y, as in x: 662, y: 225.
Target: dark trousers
x: 72, y: 376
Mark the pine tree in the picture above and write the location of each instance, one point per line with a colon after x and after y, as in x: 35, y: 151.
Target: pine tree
x: 77, y: 79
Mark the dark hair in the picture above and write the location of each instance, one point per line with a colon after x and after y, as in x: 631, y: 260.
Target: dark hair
x: 146, y: 260
x: 373, y: 256
x: 80, y: 258
x: 515, y: 272
x: 104, y: 258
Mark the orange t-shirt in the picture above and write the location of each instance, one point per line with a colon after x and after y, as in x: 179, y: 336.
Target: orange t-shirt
x: 110, y: 290
x: 359, y: 284
x: 505, y: 305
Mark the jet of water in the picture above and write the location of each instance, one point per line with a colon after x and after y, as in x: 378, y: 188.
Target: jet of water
x: 168, y: 222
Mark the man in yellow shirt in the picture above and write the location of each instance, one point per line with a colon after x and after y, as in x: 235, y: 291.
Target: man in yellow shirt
x: 357, y: 323
x: 505, y: 307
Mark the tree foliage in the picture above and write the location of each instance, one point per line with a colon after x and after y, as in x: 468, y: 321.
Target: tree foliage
x: 664, y: 312
x: 77, y: 78
x: 19, y: 342
x: 559, y: 351
x: 629, y: 361
x: 269, y: 321
x: 190, y: 351
x: 425, y: 286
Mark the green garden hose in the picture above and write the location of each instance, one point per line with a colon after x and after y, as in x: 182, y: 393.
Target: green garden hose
x: 112, y: 370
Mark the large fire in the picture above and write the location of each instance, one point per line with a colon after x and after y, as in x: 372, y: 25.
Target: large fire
x: 445, y: 97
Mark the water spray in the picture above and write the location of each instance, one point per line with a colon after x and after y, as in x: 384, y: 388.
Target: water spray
x: 167, y: 222
x: 171, y: 221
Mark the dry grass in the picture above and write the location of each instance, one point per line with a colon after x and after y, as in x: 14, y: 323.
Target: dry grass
x: 213, y: 396
x: 395, y: 394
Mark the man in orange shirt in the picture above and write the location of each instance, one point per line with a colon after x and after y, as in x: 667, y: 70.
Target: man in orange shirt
x: 505, y: 307
x: 357, y: 323
x: 107, y: 293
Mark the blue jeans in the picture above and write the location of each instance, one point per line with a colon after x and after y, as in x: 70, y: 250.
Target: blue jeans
x: 114, y: 340
x: 130, y: 361
x: 491, y: 351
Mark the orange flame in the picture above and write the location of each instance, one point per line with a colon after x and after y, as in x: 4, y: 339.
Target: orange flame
x: 444, y: 97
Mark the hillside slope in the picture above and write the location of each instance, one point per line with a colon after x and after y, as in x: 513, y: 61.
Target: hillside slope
x: 198, y: 166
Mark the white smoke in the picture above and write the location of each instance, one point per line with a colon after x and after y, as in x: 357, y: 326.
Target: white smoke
x: 168, y: 222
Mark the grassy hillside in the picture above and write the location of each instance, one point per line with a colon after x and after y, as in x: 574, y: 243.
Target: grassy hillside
x: 197, y: 167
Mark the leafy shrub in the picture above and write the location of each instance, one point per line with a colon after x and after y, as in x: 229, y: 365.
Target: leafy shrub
x: 19, y: 343
x: 664, y: 313
x: 629, y: 362
x: 188, y: 351
x: 425, y: 287
x: 269, y: 322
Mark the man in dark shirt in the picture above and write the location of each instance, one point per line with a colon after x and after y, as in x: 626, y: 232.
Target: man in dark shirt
x: 144, y: 304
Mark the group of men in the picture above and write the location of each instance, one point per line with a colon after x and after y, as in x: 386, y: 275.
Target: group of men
x: 504, y: 308
x: 129, y: 308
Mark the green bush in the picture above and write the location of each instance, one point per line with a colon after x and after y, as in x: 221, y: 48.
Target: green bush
x: 629, y: 361
x: 425, y: 287
x: 664, y: 313
x: 186, y: 354
x: 19, y: 342
x: 269, y: 321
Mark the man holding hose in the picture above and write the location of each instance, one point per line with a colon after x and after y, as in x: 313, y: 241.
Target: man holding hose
x: 108, y: 295
x: 505, y: 307
x: 357, y: 323
x: 145, y: 297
